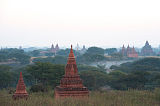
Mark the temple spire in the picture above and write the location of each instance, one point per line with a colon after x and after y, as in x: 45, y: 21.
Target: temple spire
x: 71, y: 54
x: 21, y: 89
x: 71, y: 63
x: 71, y: 85
x: 71, y: 57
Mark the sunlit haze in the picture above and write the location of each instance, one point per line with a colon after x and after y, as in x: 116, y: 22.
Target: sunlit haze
x: 104, y: 23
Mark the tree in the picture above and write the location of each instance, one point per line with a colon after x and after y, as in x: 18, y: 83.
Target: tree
x: 145, y: 64
x: 110, y: 51
x: 56, y: 60
x: 95, y: 50
x: 34, y: 53
x: 116, y: 56
x: 14, y: 54
x: 89, y: 58
x: 134, y: 80
x: 7, y: 77
x: 82, y: 67
x: 49, y: 54
x: 102, y: 68
x: 94, y: 79
x: 46, y: 73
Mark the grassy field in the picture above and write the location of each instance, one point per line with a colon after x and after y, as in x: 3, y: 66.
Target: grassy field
x: 109, y: 98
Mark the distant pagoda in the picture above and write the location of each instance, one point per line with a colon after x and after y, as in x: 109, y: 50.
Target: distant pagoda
x: 83, y: 50
x: 129, y: 52
x: 123, y: 51
x: 54, y: 50
x: 147, y: 50
x: 21, y: 89
x: 71, y: 84
x: 133, y: 53
x: 57, y: 48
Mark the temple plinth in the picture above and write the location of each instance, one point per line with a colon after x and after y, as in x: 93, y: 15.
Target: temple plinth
x: 71, y: 85
x: 21, y: 89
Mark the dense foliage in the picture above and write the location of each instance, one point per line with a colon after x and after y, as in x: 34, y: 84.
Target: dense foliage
x: 141, y: 74
x: 46, y: 73
x: 89, y: 58
x: 34, y: 53
x: 95, y: 50
x: 15, y: 55
x: 110, y: 51
x: 145, y: 64
x: 94, y: 79
x: 55, y: 60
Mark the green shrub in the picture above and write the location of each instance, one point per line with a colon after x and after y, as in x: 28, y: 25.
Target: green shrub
x: 39, y: 88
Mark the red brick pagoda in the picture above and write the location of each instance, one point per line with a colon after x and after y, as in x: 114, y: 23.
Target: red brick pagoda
x: 129, y: 52
x: 133, y: 53
x: 71, y: 84
x: 21, y: 89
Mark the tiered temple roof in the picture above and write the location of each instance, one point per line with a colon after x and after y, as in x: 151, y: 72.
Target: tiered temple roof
x: 147, y: 50
x: 129, y: 52
x: 21, y: 89
x: 71, y: 84
x: 54, y: 50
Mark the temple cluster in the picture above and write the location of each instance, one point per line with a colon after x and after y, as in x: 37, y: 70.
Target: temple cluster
x: 129, y: 52
x: 132, y: 53
x: 70, y: 85
x: 53, y: 50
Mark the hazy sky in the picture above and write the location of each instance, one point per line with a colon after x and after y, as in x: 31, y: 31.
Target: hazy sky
x: 106, y: 23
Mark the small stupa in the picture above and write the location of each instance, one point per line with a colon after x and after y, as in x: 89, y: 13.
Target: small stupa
x: 21, y: 89
x: 71, y: 85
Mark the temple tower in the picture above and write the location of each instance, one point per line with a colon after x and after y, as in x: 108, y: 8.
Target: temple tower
x: 21, y: 89
x: 71, y: 84
x: 123, y: 51
x: 57, y: 48
x: 52, y: 49
x: 133, y: 53
x: 147, y: 50
x: 129, y: 50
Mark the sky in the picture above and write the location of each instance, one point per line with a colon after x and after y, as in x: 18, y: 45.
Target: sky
x: 102, y: 23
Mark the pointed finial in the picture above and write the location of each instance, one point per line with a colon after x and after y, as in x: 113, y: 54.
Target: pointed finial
x: 71, y: 46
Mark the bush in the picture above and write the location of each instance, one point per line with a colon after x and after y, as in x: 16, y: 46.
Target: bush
x: 39, y: 88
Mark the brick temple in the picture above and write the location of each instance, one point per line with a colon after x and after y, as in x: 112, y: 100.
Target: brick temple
x: 147, y: 50
x: 21, y: 89
x: 71, y: 84
x: 129, y: 52
x: 54, y: 50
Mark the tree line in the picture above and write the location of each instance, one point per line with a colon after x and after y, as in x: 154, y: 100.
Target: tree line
x: 46, y: 74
